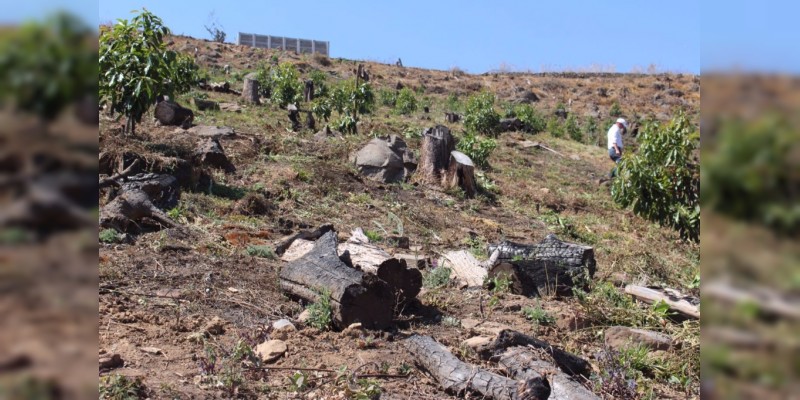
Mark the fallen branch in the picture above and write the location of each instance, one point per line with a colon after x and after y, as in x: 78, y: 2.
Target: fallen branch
x: 672, y: 298
x: 766, y: 299
x: 112, y: 180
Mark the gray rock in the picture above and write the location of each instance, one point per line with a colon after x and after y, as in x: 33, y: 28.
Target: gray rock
x: 386, y: 160
x: 619, y: 337
x: 282, y: 328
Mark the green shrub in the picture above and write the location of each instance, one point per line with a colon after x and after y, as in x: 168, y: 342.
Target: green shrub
x: 538, y: 315
x: 406, y: 101
x: 285, y: 85
x: 590, y: 129
x: 750, y: 172
x: 436, y: 278
x: 478, y: 149
x: 572, y: 129
x: 387, y: 97
x: 480, y: 116
x: 453, y: 103
x: 320, y: 83
x: 533, y: 120
x: 615, y: 110
x: 500, y: 283
x: 661, y: 181
x: 320, y: 313
x: 111, y: 236
x: 373, y: 236
x: 262, y: 251
x: 555, y: 127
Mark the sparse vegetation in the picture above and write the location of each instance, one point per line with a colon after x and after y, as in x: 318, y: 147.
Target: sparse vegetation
x: 320, y: 312
x: 436, y: 277
x: 120, y: 387
x: 615, y: 110
x: 572, y: 129
x: 538, y: 315
x: 261, y: 251
x: 111, y: 236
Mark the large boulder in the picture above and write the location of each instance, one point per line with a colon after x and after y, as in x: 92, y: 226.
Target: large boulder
x: 386, y: 160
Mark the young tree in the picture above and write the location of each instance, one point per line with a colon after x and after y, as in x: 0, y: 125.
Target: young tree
x: 45, y: 66
x: 661, y: 181
x: 136, y: 67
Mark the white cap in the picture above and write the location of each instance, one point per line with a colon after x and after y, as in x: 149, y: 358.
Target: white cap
x: 623, y: 122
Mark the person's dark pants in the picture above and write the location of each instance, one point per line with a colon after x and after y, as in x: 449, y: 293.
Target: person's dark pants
x: 615, y: 158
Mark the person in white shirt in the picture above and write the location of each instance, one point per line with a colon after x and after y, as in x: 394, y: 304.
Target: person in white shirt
x: 615, y: 142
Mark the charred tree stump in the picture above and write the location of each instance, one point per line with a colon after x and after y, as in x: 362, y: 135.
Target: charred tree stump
x: 210, y: 153
x: 162, y: 190
x: 308, y: 91
x: 171, y: 113
x: 461, y: 173
x: 549, y: 267
x: 437, y: 144
x: 250, y: 89
x: 354, y: 295
x: 523, y: 363
x: 128, y: 208
x: 451, y: 117
x: 310, y: 122
x: 457, y: 377
x: 566, y: 361
x: 294, y: 117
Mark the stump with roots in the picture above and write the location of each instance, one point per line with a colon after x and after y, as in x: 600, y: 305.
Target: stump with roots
x: 250, y: 89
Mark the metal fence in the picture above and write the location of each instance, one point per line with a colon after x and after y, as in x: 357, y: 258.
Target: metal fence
x: 284, y: 43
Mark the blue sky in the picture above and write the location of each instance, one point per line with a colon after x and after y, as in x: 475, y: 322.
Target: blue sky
x: 476, y: 36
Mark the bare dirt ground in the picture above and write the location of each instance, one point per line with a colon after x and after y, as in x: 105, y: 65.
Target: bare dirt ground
x: 161, y: 288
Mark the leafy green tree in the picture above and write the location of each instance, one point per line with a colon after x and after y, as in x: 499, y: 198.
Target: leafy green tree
x: 533, y: 120
x: 285, y: 85
x: 350, y: 101
x: 661, y: 181
x: 478, y: 149
x: 480, y: 115
x: 136, y: 67
x: 45, y: 66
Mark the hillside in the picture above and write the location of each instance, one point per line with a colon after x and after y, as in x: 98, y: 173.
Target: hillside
x: 217, y: 273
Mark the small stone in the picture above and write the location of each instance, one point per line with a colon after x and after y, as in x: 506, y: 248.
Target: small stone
x: 215, y: 327
x: 304, y: 316
x: 110, y: 361
x: 271, y: 350
x: 354, y: 330
x: 477, y: 342
x: 483, y: 327
x: 196, y: 337
x: 282, y: 328
x: 619, y: 337
x: 151, y: 350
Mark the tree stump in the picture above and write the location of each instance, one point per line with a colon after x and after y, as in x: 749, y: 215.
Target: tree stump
x: 210, y: 152
x: 461, y: 173
x: 294, y: 117
x: 437, y: 144
x: 549, y: 267
x: 310, y: 122
x: 354, y: 295
x: 308, y: 91
x: 451, y: 117
x: 250, y: 88
x: 171, y: 113
x: 128, y: 208
x: 457, y: 377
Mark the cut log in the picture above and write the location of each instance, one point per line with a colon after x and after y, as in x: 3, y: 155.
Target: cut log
x: 437, y: 144
x: 549, y: 267
x: 210, y: 153
x: 129, y: 208
x: 307, y: 235
x: 685, y: 305
x: 768, y: 300
x: 457, y: 377
x: 464, y: 267
x: 461, y: 173
x: 354, y: 295
x: 250, y: 88
x: 522, y: 363
x: 171, y: 113
x: 404, y: 282
x: 566, y: 361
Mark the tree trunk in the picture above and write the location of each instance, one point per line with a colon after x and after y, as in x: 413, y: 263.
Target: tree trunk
x: 171, y: 113
x: 250, y: 89
x: 129, y: 207
x: 457, y: 377
x: 567, y: 362
x: 549, y: 267
x: 354, y: 295
x: 437, y: 144
x: 461, y: 173
x: 522, y: 363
